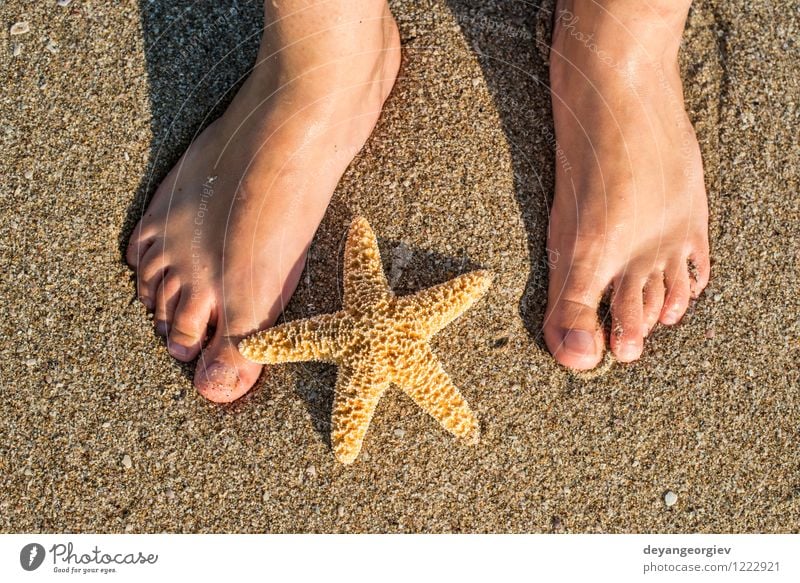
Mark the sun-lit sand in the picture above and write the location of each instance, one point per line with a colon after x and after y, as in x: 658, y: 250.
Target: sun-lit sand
x: 102, y: 430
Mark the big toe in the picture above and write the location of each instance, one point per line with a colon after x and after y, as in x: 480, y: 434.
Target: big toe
x: 573, y: 336
x: 222, y: 374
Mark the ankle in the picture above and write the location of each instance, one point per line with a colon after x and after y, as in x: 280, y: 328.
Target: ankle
x: 351, y: 58
x: 618, y: 34
x: 342, y: 42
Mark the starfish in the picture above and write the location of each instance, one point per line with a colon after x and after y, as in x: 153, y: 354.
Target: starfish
x: 378, y: 339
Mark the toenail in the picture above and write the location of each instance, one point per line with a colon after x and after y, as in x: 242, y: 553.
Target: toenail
x: 147, y: 302
x: 629, y: 350
x: 161, y: 328
x: 579, y: 341
x: 179, y: 352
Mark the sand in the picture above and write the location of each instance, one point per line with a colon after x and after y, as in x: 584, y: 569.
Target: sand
x: 102, y: 431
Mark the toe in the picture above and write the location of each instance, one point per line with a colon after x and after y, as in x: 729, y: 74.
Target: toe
x: 137, y: 247
x: 653, y: 301
x: 166, y: 299
x: 189, y: 325
x: 571, y: 330
x: 222, y: 374
x: 149, y: 274
x: 627, y: 316
x: 676, y: 278
x: 699, y: 271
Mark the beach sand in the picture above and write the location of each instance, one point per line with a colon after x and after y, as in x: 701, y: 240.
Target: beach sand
x: 102, y: 430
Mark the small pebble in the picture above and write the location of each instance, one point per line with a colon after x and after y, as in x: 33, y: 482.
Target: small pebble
x: 64, y: 3
x: 399, y: 432
x: 29, y: 174
x: 21, y: 27
x: 670, y: 498
x: 51, y: 46
x: 127, y: 463
x: 170, y: 495
x: 340, y: 511
x: 106, y: 425
x: 311, y: 471
x: 16, y: 49
x: 710, y: 333
x: 31, y: 362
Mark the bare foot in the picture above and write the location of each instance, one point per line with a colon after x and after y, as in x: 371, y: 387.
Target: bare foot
x: 630, y: 214
x: 221, y: 246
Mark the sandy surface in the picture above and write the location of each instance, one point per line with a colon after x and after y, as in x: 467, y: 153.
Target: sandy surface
x: 459, y: 173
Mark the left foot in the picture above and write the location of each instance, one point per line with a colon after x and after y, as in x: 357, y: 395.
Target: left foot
x: 630, y: 214
x: 222, y: 244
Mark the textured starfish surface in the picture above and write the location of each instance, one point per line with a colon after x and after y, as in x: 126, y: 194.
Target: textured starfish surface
x: 378, y: 339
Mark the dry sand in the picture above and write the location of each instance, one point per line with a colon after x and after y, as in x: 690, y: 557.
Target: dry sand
x: 100, y: 102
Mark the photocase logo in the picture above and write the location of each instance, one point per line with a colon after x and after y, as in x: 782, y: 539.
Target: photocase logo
x: 31, y: 556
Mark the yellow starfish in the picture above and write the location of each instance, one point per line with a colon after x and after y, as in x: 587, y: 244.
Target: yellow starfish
x: 377, y: 339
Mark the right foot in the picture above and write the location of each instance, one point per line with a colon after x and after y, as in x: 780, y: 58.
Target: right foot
x: 630, y: 213
x: 222, y: 244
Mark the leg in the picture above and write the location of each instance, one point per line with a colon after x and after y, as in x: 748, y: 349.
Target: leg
x: 222, y: 244
x: 630, y: 214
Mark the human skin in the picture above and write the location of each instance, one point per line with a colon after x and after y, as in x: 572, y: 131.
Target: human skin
x: 220, y: 248
x: 629, y: 217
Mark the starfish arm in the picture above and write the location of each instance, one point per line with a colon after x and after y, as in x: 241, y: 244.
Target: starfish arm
x: 431, y: 388
x: 364, y: 281
x: 432, y: 309
x: 354, y: 403
x: 298, y: 341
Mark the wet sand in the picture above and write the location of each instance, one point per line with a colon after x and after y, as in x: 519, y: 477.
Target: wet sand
x: 102, y: 431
